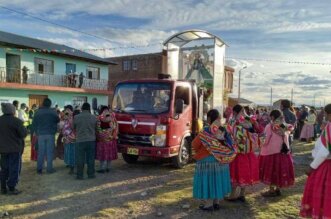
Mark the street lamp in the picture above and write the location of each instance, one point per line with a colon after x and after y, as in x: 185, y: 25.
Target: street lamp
x: 239, y: 82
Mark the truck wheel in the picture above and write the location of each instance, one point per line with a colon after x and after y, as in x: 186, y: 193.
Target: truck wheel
x: 131, y: 159
x: 183, y: 156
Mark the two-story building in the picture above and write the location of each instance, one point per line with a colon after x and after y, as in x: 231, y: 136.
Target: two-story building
x: 149, y: 66
x: 32, y: 69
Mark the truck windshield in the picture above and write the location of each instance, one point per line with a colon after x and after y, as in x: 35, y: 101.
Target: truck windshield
x: 144, y: 97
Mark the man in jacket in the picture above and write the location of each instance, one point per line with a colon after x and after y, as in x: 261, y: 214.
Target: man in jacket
x: 12, y: 134
x: 45, y: 126
x: 85, y: 126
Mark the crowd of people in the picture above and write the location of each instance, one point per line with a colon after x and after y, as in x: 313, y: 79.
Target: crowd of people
x: 247, y: 150
x: 251, y: 147
x: 82, y: 138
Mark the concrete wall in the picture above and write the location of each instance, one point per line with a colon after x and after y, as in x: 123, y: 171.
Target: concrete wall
x: 27, y: 59
x: 60, y: 98
x: 149, y: 66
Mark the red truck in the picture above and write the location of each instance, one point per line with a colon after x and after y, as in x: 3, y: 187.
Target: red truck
x: 157, y: 118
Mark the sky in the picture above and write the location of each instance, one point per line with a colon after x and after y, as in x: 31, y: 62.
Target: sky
x: 255, y: 31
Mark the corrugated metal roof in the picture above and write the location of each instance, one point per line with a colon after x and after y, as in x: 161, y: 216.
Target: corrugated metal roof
x: 18, y: 41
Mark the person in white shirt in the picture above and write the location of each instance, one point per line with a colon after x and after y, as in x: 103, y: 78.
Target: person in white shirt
x: 307, y: 131
x: 316, y: 201
x: 22, y: 115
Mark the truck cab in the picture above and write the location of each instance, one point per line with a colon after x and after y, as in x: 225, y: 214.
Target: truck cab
x: 157, y: 118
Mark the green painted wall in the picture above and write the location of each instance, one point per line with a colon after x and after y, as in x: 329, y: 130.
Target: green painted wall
x: 27, y: 59
x: 60, y: 98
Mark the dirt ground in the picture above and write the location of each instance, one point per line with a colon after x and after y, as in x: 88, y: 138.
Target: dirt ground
x: 144, y: 190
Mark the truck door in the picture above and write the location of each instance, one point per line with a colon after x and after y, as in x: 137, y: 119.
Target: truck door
x: 184, y: 122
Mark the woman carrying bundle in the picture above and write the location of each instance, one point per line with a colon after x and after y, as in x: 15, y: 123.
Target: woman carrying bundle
x: 214, y: 150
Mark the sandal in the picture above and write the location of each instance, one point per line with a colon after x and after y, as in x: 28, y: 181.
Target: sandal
x: 270, y: 194
x: 241, y: 198
x: 216, y: 207
x: 209, y: 208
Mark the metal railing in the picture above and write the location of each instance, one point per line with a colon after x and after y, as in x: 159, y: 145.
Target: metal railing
x: 72, y: 80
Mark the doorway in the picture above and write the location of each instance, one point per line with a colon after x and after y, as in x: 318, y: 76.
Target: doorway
x: 13, y: 68
x: 36, y: 99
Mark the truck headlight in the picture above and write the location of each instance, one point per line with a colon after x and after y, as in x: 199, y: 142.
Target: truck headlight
x: 159, y: 139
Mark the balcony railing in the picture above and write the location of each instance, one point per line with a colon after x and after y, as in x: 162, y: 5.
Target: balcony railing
x: 71, y: 80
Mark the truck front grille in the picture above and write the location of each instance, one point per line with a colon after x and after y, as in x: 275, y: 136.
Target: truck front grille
x: 136, y: 140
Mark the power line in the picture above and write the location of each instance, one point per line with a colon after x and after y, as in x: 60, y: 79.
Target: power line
x: 281, y: 61
x: 56, y: 24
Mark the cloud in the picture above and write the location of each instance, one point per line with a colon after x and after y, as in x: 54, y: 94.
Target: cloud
x: 134, y: 36
x: 300, y: 27
x: 256, y: 29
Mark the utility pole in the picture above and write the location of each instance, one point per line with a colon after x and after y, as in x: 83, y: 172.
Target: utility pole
x: 314, y: 100
x: 240, y: 81
x: 292, y: 96
x: 271, y: 97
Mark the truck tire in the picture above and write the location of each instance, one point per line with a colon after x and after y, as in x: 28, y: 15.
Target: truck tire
x: 183, y: 156
x: 130, y: 159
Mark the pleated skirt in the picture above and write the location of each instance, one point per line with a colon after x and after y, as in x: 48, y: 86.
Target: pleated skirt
x: 307, y: 131
x: 106, y: 150
x: 245, y: 170
x: 69, y: 154
x: 277, y: 170
x: 211, y: 179
x: 316, y: 201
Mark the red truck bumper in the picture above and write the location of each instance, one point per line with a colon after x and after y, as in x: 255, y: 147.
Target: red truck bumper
x: 162, y: 152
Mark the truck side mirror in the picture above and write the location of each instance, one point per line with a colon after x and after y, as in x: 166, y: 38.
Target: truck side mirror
x: 179, y: 106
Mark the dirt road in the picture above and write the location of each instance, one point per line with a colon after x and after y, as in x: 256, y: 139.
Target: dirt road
x: 145, y: 190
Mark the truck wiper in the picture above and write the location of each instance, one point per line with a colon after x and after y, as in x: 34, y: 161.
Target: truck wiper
x: 119, y: 111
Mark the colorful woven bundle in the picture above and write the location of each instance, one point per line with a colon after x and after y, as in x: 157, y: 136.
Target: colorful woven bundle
x: 221, y: 150
x: 244, y: 134
x: 67, y: 130
x: 107, y: 128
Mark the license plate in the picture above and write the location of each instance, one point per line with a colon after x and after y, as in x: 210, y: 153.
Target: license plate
x: 133, y: 151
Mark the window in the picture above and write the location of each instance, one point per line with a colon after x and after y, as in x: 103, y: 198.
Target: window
x: 126, y: 65
x: 79, y: 100
x: 135, y: 65
x: 43, y: 66
x: 70, y: 68
x: 184, y: 94
x: 93, y: 73
x: 142, y: 97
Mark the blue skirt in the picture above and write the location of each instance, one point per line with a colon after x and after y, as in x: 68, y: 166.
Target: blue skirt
x: 69, y: 154
x: 211, y: 179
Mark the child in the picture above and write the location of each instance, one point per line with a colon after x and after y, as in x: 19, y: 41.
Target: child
x: 107, y: 130
x: 275, y: 161
x: 316, y: 201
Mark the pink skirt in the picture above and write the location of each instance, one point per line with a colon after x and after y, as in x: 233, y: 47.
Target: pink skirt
x: 307, y: 131
x: 107, y: 150
x: 316, y: 201
x: 277, y: 170
x: 244, y: 170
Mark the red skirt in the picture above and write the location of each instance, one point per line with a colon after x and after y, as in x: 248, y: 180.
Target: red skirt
x: 316, y: 201
x: 34, y: 141
x: 277, y: 170
x: 107, y: 150
x: 244, y: 170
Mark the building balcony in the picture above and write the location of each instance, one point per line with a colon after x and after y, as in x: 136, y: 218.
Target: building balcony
x: 18, y: 79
